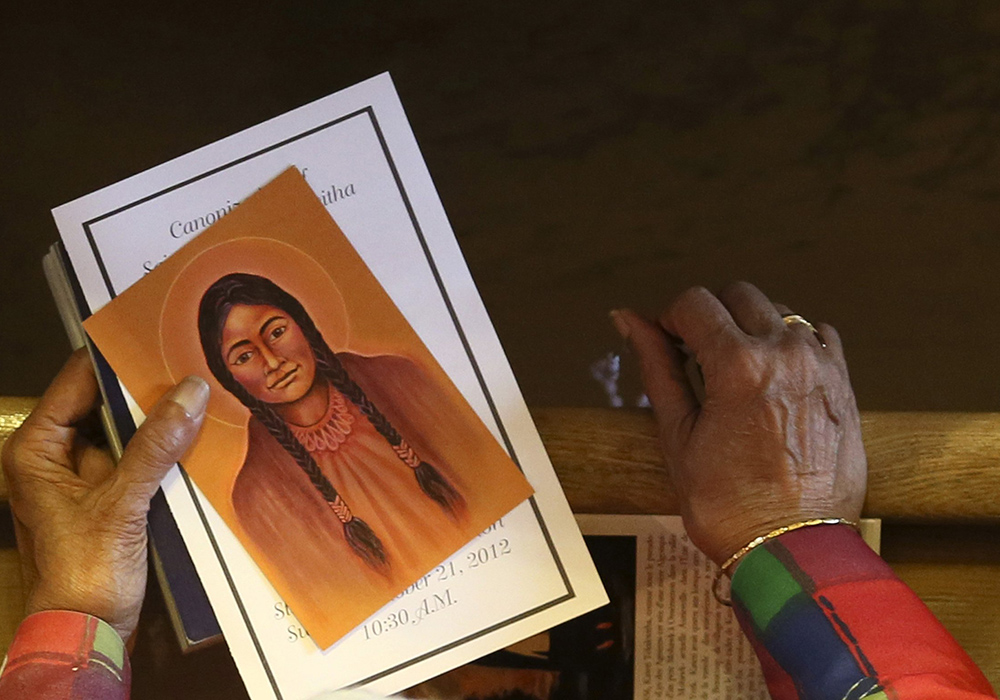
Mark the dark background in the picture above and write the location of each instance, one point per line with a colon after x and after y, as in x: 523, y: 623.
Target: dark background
x: 842, y: 155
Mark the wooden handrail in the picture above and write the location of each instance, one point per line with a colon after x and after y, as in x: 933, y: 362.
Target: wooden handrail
x: 921, y: 466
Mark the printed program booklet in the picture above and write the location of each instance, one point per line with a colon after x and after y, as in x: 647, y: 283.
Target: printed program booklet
x: 357, y: 153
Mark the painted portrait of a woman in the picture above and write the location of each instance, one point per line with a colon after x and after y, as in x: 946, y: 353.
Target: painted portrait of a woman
x: 337, y: 450
x: 328, y: 480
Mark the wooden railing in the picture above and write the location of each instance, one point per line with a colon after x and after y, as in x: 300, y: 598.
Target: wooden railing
x: 934, y: 479
x: 928, y: 467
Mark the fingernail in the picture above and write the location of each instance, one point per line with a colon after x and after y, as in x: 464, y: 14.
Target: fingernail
x: 621, y: 325
x: 191, y: 395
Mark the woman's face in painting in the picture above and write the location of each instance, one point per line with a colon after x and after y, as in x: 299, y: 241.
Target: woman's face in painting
x: 268, y: 354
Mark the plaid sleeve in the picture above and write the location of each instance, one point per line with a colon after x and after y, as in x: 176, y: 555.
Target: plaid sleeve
x: 63, y: 655
x: 830, y: 621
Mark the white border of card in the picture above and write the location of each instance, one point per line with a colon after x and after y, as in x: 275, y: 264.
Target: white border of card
x: 356, y: 149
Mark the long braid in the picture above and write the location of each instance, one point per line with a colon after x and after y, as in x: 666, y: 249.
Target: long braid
x: 358, y: 534
x: 431, y: 481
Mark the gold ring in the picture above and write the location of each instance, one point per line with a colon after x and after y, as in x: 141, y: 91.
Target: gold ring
x: 791, y: 319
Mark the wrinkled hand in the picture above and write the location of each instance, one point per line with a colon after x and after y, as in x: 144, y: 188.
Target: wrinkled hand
x: 777, y: 438
x: 81, y: 522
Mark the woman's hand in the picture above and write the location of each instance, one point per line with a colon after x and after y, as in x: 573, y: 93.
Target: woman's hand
x: 81, y: 522
x: 777, y: 438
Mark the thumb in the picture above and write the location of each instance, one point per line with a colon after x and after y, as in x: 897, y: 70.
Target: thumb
x: 163, y: 438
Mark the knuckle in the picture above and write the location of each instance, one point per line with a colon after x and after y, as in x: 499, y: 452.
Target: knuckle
x: 737, y: 289
x: 646, y: 336
x: 725, y: 345
x: 829, y: 333
x: 736, y: 369
x: 747, y: 365
x: 165, y: 436
x: 764, y: 370
x: 19, y: 452
x: 13, y: 451
x: 691, y: 296
x: 686, y: 305
x: 8, y: 467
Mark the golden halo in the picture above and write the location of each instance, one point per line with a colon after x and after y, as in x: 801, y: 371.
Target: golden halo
x: 285, y: 265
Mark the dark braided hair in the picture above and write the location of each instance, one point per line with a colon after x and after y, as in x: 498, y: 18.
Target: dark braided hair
x: 253, y: 290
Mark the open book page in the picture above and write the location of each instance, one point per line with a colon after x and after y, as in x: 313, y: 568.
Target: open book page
x: 358, y: 154
x: 662, y: 636
x: 687, y: 645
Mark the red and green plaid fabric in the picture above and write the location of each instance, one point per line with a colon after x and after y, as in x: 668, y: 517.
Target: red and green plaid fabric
x: 826, y: 616
x: 63, y: 655
x: 830, y: 621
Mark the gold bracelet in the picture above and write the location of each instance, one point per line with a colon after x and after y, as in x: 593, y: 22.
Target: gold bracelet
x: 758, y: 541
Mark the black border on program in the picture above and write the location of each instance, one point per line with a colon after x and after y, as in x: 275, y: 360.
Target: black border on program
x: 369, y: 111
